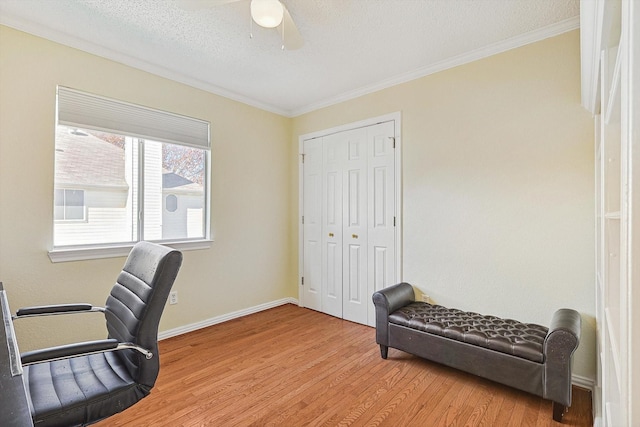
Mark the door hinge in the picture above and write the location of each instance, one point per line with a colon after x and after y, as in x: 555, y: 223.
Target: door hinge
x: 302, y: 157
x: 394, y: 221
x: 303, y: 219
x: 302, y: 280
x: 393, y: 140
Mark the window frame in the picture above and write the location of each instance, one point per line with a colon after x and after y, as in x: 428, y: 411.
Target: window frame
x: 195, y: 140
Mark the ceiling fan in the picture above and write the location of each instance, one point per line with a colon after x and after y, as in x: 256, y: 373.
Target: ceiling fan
x: 265, y: 13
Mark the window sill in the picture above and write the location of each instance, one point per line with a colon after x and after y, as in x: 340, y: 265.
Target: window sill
x: 97, y: 252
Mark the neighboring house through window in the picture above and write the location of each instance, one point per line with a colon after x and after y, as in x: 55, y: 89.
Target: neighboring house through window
x: 125, y: 173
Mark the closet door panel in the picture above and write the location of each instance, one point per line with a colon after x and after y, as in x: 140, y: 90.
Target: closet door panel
x: 332, y: 208
x: 355, y: 301
x: 312, y: 227
x: 381, y: 210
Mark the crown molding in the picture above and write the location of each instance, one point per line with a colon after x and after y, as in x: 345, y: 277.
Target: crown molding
x: 174, y: 75
x: 490, y: 50
x: 56, y: 36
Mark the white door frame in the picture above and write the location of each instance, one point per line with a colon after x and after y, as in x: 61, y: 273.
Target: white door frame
x: 396, y: 118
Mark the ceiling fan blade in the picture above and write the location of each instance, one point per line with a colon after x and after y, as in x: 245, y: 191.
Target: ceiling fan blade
x: 292, y: 37
x: 202, y: 4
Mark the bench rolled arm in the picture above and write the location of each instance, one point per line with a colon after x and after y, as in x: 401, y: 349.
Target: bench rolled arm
x: 387, y: 301
x: 560, y: 343
x: 394, y: 297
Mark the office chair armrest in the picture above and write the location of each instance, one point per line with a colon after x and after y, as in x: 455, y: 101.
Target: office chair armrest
x: 79, y: 349
x: 46, y: 310
x: 69, y: 350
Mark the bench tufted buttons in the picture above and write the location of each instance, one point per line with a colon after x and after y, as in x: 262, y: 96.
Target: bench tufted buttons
x: 508, y: 336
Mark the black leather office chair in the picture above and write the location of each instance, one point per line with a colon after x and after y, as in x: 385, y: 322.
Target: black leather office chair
x: 80, y: 384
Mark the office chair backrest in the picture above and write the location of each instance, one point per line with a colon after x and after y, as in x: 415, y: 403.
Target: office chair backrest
x: 136, y: 302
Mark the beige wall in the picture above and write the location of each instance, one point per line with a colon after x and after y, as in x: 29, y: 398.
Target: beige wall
x: 249, y: 263
x: 498, y: 193
x: 497, y: 204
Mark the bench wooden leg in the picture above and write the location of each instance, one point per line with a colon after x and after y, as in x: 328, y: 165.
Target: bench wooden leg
x: 384, y: 351
x: 558, y: 411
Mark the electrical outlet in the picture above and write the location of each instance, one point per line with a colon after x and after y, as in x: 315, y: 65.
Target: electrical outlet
x: 173, y: 297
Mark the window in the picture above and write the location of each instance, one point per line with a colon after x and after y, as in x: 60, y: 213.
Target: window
x: 125, y: 173
x: 172, y: 203
x: 69, y: 205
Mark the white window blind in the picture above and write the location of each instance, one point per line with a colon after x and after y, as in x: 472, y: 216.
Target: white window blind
x: 84, y: 110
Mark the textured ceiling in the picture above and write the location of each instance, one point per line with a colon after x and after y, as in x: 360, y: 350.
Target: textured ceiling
x: 351, y: 46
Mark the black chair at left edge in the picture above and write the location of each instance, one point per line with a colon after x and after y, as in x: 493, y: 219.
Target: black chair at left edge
x: 80, y: 384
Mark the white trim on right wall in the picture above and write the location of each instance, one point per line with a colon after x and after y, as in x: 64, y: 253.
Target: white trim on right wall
x: 611, y: 62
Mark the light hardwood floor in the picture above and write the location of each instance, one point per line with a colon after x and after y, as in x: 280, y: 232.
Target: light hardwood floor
x: 291, y: 366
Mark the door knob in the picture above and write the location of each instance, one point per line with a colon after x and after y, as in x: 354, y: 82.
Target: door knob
x: 355, y: 236
x: 330, y: 234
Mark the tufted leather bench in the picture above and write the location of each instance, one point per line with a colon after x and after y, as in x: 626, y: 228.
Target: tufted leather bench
x: 526, y: 356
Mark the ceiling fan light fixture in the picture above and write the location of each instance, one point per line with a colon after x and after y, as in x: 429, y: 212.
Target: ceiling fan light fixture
x: 267, y: 13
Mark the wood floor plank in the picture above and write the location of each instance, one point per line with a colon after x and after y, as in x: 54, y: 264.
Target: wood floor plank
x: 291, y: 366
x: 411, y: 403
x: 479, y: 407
x: 489, y: 419
x: 350, y: 365
x: 393, y: 394
x: 376, y: 397
x: 444, y: 411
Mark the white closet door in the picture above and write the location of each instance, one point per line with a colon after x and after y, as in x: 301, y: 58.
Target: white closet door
x: 381, y: 211
x: 332, y: 156
x: 312, y: 227
x: 349, y: 220
x: 354, y: 281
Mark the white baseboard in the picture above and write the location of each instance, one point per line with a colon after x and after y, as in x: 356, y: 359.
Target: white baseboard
x: 224, y: 317
x: 583, y: 382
